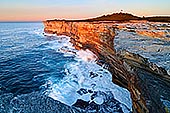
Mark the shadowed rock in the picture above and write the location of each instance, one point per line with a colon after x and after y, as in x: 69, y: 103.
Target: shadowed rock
x: 147, y: 83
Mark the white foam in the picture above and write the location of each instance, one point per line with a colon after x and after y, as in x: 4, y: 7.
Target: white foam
x: 86, y: 55
x: 83, y: 73
x: 99, y: 100
x: 64, y: 92
x: 85, y: 97
x: 39, y: 32
x: 47, y: 34
x: 79, y: 77
x: 61, y: 44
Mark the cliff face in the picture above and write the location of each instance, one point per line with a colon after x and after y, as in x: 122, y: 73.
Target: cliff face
x: 130, y: 71
x: 95, y: 36
x: 157, y: 34
x: 146, y: 28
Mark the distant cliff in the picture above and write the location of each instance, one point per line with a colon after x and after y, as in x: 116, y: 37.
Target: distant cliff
x: 121, y: 17
x: 116, y: 17
x: 128, y: 17
x: 158, y: 19
x: 146, y: 82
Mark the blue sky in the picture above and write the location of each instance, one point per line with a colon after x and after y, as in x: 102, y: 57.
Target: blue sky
x: 75, y: 9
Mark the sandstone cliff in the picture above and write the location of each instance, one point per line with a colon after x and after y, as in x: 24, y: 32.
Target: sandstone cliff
x: 146, y: 82
x: 146, y: 28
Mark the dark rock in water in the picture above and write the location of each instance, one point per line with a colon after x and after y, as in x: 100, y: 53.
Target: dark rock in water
x: 110, y: 105
x: 81, y: 104
x: 82, y: 91
x: 93, y: 75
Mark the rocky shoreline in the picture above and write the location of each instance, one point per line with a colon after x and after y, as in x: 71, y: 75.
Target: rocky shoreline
x: 147, y: 83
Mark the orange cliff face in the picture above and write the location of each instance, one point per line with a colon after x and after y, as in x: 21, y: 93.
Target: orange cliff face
x: 95, y: 36
x: 128, y: 70
x: 84, y: 33
x: 157, y: 34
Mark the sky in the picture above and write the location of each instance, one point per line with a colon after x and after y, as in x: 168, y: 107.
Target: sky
x: 39, y: 10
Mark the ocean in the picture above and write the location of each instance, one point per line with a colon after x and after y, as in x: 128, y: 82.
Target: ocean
x: 38, y: 70
x: 32, y: 63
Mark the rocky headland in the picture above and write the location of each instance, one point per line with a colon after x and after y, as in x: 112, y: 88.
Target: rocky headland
x: 146, y: 28
x: 147, y: 83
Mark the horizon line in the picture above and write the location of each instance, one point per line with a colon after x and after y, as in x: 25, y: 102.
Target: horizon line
x: 19, y: 21
x: 36, y: 21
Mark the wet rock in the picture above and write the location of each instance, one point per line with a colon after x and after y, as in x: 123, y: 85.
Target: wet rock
x: 109, y: 105
x: 81, y: 104
x: 93, y: 75
x: 82, y: 91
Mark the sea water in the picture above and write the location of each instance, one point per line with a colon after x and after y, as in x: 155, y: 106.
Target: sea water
x: 50, y: 65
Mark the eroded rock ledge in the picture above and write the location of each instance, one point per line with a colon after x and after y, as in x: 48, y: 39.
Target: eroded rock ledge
x: 147, y: 83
